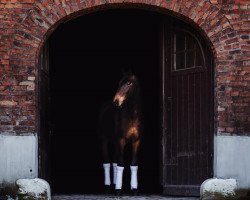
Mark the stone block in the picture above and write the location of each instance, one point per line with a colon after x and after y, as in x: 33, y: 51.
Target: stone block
x: 218, y: 189
x: 33, y: 189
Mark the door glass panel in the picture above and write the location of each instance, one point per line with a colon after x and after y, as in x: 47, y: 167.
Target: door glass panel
x: 190, y: 42
x: 199, y: 58
x: 180, y: 42
x: 190, y: 55
x: 187, y: 51
x: 180, y: 61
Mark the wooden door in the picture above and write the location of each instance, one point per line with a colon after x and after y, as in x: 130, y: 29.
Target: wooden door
x: 44, y: 110
x: 187, y: 104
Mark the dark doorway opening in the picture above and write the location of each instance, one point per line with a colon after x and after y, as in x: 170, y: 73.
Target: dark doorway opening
x: 86, y: 61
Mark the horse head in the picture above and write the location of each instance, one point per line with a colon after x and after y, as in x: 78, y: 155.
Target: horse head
x: 127, y: 90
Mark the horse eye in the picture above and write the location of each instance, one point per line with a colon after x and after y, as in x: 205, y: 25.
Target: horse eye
x: 129, y: 83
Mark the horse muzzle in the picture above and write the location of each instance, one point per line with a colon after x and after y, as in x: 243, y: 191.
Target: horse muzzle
x: 116, y: 103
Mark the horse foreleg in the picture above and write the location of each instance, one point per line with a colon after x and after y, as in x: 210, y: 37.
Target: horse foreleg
x: 134, y: 165
x: 120, y: 166
x: 106, y: 164
x: 114, y: 173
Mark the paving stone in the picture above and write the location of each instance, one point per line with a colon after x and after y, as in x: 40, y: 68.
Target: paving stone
x: 102, y: 197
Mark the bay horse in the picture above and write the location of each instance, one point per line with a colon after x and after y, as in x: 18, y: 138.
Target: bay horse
x: 120, y: 124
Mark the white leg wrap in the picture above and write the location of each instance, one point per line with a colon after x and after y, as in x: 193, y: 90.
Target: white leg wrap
x: 134, y: 181
x: 114, y: 172
x: 119, y: 177
x: 106, y: 167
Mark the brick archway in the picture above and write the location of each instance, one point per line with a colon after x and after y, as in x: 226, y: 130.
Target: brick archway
x: 127, y: 18
x: 30, y: 23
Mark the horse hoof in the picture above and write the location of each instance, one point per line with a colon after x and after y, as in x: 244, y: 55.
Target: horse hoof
x: 118, y: 192
x: 113, y: 188
x: 134, y: 192
x: 107, y: 189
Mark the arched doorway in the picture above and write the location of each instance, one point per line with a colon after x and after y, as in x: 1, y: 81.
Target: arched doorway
x: 80, y: 69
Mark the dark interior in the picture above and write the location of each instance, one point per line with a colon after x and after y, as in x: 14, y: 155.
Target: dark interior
x: 88, y: 55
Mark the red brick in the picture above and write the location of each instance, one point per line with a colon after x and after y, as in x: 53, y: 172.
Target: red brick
x: 24, y: 25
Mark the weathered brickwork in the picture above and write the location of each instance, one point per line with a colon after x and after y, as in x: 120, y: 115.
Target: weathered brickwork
x: 25, y: 25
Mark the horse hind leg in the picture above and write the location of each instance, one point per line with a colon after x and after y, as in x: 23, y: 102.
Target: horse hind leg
x: 114, y: 172
x: 134, y: 167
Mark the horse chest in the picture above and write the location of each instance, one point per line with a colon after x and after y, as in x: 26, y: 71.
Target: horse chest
x: 132, y: 130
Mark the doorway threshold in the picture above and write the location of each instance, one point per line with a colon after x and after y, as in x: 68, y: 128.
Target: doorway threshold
x: 102, y: 197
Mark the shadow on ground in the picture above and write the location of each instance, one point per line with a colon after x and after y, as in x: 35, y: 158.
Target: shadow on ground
x: 102, y: 197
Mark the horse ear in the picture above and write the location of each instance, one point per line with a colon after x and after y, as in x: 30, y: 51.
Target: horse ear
x: 123, y: 71
x: 130, y: 71
x: 127, y: 71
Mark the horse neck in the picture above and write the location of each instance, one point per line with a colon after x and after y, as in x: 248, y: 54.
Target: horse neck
x: 133, y: 108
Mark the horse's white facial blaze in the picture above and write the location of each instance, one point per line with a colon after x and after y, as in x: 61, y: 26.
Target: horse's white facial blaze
x: 119, y: 176
x: 134, y: 181
x: 106, y: 167
x: 121, y: 94
x: 114, y: 172
x: 120, y: 99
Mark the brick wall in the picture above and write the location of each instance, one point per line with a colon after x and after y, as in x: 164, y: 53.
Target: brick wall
x: 237, y: 83
x: 25, y: 25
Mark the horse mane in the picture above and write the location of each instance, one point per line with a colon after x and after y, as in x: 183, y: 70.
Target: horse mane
x: 133, y: 104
